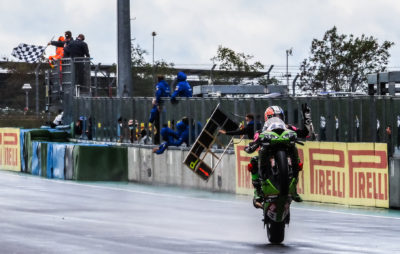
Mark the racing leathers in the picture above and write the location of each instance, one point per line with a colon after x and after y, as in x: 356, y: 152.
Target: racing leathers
x: 258, y: 167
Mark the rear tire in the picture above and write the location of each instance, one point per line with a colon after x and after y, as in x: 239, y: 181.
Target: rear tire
x: 275, y: 232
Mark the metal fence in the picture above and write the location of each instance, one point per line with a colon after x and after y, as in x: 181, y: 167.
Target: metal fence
x: 347, y: 119
x: 73, y: 76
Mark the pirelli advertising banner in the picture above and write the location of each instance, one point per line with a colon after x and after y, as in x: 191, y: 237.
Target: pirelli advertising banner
x: 10, y: 155
x: 333, y: 172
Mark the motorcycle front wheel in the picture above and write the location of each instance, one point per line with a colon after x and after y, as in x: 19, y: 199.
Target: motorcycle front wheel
x: 275, y: 232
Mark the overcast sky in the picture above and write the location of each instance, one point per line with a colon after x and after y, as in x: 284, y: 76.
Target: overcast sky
x: 189, y: 32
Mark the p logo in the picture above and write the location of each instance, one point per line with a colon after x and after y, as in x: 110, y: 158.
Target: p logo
x: 193, y: 164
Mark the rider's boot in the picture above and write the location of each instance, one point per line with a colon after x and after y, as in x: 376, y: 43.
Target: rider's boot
x: 258, y: 193
x: 296, y: 196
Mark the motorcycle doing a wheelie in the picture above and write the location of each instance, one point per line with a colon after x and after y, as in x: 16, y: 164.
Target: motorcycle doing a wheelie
x: 278, y: 179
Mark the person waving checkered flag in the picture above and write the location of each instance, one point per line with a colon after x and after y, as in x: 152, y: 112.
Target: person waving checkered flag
x: 28, y: 53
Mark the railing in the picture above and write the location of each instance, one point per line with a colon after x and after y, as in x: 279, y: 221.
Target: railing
x: 77, y: 77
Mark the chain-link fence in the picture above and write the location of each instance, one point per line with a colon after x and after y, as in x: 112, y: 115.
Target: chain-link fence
x: 345, y: 119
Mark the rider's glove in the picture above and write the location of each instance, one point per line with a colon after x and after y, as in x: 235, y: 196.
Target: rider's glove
x: 306, y: 113
x: 251, y: 148
x: 307, y: 118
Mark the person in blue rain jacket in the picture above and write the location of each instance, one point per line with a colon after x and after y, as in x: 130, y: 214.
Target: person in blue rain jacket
x: 183, y: 89
x: 169, y: 136
x: 162, y: 89
x: 182, y: 132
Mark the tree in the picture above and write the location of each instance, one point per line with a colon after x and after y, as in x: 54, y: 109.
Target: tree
x: 228, y: 60
x: 341, y: 63
x: 264, y: 81
x: 19, y: 73
x: 137, y: 55
x: 142, y: 71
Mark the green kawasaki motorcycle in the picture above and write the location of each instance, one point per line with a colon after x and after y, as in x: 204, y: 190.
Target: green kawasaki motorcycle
x: 276, y: 143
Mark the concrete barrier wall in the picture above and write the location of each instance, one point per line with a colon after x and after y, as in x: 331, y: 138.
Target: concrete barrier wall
x: 394, y: 182
x: 167, y: 168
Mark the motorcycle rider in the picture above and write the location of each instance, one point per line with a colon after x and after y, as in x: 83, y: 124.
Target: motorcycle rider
x: 257, y: 166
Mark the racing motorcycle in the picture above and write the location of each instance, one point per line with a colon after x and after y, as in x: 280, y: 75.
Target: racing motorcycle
x: 278, y: 184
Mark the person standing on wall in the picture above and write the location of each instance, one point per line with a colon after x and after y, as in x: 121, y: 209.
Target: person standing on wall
x: 74, y: 49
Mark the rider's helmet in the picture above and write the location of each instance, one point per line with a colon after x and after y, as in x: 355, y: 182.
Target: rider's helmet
x: 274, y: 111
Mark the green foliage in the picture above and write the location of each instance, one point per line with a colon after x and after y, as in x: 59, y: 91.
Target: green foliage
x: 142, y: 71
x: 264, y: 81
x: 11, y: 83
x: 340, y: 63
x: 228, y: 60
x: 137, y: 56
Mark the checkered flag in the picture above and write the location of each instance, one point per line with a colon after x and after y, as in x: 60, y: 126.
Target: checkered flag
x: 28, y: 53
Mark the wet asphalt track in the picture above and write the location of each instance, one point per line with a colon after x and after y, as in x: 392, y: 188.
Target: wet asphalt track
x: 49, y: 216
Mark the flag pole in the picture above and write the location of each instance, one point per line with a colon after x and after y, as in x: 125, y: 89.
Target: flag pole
x: 37, y: 79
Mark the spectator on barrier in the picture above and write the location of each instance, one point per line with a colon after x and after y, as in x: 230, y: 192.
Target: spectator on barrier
x: 154, y: 112
x: 248, y: 130
x: 58, y: 120
x: 162, y: 89
x: 182, y: 132
x: 89, y: 131
x: 357, y: 123
x: 78, y: 127
x: 183, y: 89
x: 155, y: 120
x: 168, y: 135
x: 119, y: 130
x: 144, y: 138
x: 322, y: 128
x: 337, y: 128
x: 132, y: 130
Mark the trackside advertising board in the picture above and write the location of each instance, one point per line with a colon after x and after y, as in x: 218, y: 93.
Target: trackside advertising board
x: 10, y: 155
x: 333, y: 172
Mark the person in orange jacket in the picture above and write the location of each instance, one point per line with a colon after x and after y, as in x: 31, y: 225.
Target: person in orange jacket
x: 59, y: 54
